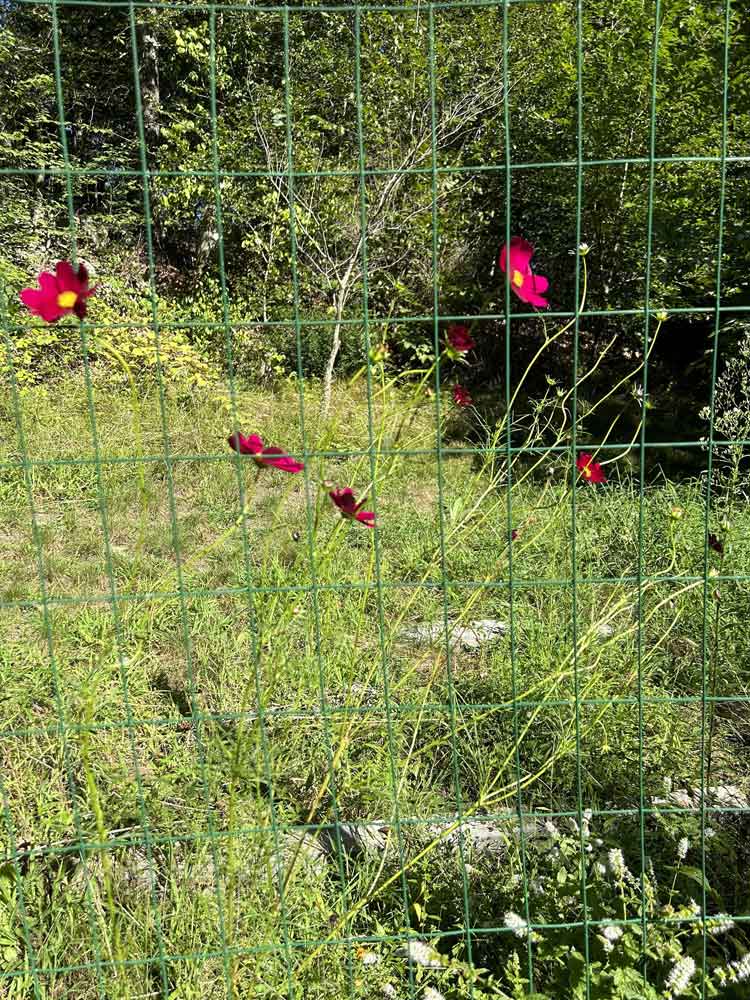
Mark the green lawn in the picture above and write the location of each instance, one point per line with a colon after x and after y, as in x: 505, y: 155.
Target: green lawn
x: 193, y: 704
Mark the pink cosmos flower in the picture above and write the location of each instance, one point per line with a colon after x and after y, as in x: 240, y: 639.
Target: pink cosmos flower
x: 461, y: 396
x: 527, y: 286
x: 263, y: 455
x: 459, y: 338
x: 591, y: 471
x: 346, y: 502
x: 60, y: 293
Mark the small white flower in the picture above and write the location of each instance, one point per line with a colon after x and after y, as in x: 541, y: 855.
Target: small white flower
x: 517, y: 924
x: 617, y: 863
x: 720, y: 924
x: 600, y: 869
x: 431, y: 994
x: 694, y: 908
x: 740, y: 970
x: 573, y: 824
x: 551, y: 829
x: 710, y: 832
x: 683, y: 847
x: 680, y: 975
x: 612, y: 932
x: 421, y: 953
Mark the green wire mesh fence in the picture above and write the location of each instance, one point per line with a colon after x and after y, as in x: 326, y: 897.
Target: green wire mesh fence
x: 340, y: 934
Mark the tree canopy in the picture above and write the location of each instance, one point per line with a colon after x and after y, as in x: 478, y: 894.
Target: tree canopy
x: 239, y: 160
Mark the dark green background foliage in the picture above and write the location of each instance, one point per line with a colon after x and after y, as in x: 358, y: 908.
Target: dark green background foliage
x: 175, y: 65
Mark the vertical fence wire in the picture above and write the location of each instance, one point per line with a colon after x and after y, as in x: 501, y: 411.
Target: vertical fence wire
x: 509, y: 396
x: 383, y: 650
x: 255, y: 683
x: 440, y: 477
x: 642, y: 471
x: 705, y: 737
x: 574, y: 497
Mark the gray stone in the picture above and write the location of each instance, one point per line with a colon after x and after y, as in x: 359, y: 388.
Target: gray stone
x: 725, y: 797
x: 130, y: 869
x: 138, y: 872
x: 678, y: 798
x: 356, y: 839
x: 420, y: 953
x: 470, y: 636
x: 484, y: 838
x: 489, y: 839
x: 721, y: 796
x: 308, y: 850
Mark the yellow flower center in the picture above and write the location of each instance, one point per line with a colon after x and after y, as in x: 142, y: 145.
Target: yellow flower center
x: 66, y: 300
x: 517, y: 279
x: 586, y: 472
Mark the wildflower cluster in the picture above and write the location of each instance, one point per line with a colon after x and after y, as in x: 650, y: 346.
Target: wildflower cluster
x: 619, y: 897
x: 67, y: 292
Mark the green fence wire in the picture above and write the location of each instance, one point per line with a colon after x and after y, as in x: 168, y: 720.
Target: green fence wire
x: 23, y: 973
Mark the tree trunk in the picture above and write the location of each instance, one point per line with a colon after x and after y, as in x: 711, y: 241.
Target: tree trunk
x: 149, y: 66
x: 148, y: 43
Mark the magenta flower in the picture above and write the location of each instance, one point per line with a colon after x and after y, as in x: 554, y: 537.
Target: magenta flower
x: 591, y: 471
x: 60, y: 293
x: 263, y: 455
x: 461, y: 396
x: 459, y: 338
x: 527, y: 285
x: 346, y: 502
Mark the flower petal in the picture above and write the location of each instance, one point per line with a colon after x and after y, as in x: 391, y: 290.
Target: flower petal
x: 41, y: 304
x: 541, y: 284
x: 48, y: 284
x: 521, y: 252
x: 241, y: 443
x: 289, y: 464
x: 528, y: 292
x: 344, y: 500
x: 67, y: 279
x: 366, y: 517
x: 254, y: 444
x: 284, y: 461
